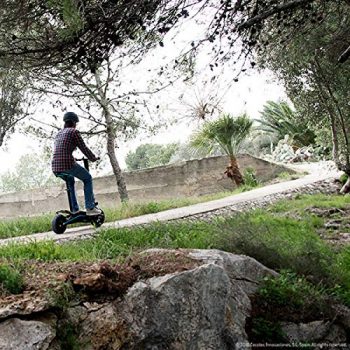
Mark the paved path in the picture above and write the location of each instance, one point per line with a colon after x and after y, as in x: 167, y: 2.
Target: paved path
x: 180, y: 213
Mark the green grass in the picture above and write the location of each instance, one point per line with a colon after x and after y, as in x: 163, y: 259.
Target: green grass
x: 11, y: 280
x: 286, y: 176
x: 277, y: 242
x: 112, y: 243
x: 300, y: 202
x: 25, y: 226
x: 30, y: 225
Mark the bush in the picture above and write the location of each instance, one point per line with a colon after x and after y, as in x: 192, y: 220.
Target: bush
x: 249, y: 177
x: 289, y: 298
x: 10, y: 279
x: 290, y: 289
x: 281, y: 243
x: 343, y: 178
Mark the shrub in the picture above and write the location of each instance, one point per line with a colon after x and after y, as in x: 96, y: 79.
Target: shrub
x: 262, y: 330
x: 287, y: 297
x: 249, y: 177
x: 290, y: 289
x: 343, y: 178
x: 281, y: 243
x: 10, y: 279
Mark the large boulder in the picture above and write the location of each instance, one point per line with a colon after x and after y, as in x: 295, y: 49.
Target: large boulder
x: 203, y: 308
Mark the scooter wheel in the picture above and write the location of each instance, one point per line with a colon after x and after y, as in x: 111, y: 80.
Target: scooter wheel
x: 58, y: 224
x: 99, y: 220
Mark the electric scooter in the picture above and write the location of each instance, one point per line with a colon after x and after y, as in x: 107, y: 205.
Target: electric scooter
x: 64, y: 218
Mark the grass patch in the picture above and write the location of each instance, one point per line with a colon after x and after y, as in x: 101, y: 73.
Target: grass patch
x: 112, y: 243
x: 11, y: 280
x: 24, y: 226
x: 300, y: 202
x: 277, y: 242
x: 289, y: 290
x: 30, y: 225
x: 286, y: 176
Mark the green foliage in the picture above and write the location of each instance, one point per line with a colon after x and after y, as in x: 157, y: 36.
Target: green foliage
x: 226, y: 132
x: 10, y: 279
x: 303, y: 201
x: 288, y: 297
x: 342, y: 263
x: 267, y: 331
x: 67, y: 335
x: 186, y: 152
x: 318, y: 87
x: 31, y: 171
x: 343, y: 178
x: 60, y: 295
x: 112, y: 244
x: 280, y: 119
x: 289, y: 289
x: 12, y: 101
x: 280, y: 243
x: 249, y: 176
x: 70, y: 15
x: 150, y: 155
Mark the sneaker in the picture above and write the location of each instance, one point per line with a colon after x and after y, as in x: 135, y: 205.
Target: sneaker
x: 93, y: 211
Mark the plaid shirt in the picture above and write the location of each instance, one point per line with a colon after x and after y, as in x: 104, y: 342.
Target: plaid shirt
x: 66, y: 141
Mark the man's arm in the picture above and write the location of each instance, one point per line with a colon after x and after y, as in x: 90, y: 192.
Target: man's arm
x: 82, y: 146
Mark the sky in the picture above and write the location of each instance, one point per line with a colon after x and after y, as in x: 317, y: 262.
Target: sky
x: 248, y: 95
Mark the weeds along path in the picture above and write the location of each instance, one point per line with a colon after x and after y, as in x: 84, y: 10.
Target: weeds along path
x: 320, y: 180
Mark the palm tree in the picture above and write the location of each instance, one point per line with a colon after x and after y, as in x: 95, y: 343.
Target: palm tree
x: 228, y: 133
x: 280, y: 119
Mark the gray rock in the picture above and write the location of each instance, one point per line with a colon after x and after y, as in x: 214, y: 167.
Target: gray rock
x: 186, y: 309
x: 203, y: 308
x: 314, y: 332
x: 16, y: 334
x: 27, y: 304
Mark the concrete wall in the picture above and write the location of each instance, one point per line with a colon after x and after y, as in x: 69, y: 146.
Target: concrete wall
x: 185, y: 179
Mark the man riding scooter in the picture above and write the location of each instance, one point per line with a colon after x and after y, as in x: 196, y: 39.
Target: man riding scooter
x: 63, y: 162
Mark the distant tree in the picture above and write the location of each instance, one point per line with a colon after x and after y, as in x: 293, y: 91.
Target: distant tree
x: 150, y: 155
x: 186, y: 152
x: 31, y: 171
x: 316, y: 84
x: 280, y: 119
x: 228, y: 133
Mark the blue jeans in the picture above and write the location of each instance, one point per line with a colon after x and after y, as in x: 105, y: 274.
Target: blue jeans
x: 83, y: 175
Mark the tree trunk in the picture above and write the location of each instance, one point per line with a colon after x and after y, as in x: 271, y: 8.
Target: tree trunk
x: 339, y: 113
x: 233, y: 172
x: 123, y: 192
